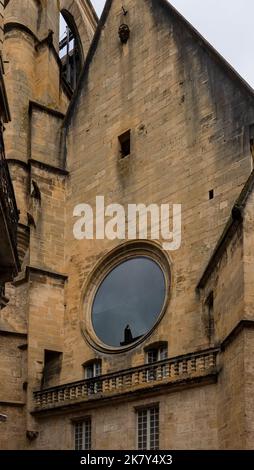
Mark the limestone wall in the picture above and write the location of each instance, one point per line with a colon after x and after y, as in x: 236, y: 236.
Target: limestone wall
x: 187, y: 421
x: 189, y: 126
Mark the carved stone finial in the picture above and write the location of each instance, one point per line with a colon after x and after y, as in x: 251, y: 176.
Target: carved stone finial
x: 32, y: 435
x: 36, y: 193
x: 124, y: 33
x: 3, y: 418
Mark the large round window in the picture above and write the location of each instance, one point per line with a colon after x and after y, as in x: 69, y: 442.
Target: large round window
x: 128, y: 302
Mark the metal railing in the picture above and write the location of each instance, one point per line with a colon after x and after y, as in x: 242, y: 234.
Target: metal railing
x: 169, y: 370
x: 7, y: 195
x: 2, y: 291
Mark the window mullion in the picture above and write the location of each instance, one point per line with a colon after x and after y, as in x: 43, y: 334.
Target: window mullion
x: 148, y: 443
x: 84, y: 436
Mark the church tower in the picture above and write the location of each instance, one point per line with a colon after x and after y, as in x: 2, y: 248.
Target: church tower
x: 35, y: 78
x: 36, y: 60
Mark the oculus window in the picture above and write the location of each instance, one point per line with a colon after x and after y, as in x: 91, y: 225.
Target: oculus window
x: 129, y: 302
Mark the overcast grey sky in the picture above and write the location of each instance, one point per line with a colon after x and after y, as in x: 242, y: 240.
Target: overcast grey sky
x: 227, y: 24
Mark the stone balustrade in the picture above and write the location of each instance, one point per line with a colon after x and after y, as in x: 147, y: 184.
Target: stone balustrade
x: 172, y: 370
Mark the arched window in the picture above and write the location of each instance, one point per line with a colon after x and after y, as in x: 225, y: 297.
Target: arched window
x: 70, y: 49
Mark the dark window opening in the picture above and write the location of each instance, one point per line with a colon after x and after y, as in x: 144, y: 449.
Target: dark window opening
x: 211, y: 194
x: 52, y: 368
x: 251, y: 134
x: 209, y: 307
x: 70, y: 50
x: 125, y: 144
x: 252, y: 147
x: 252, y: 141
x: 83, y: 432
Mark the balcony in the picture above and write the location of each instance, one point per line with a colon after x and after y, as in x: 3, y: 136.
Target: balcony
x: 180, y: 371
x: 9, y: 216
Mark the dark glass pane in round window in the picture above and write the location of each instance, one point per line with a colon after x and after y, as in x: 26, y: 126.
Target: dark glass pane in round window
x: 128, y: 302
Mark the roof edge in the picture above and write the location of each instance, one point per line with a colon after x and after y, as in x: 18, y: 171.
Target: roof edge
x: 228, y: 68
x: 93, y: 12
x: 88, y: 60
x: 235, y: 219
x: 208, y: 46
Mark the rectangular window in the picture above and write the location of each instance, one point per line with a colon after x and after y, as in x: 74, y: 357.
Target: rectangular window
x: 209, y: 308
x: 211, y: 194
x: 148, y: 428
x: 158, y: 354
x: 125, y: 144
x: 52, y: 368
x: 83, y: 435
x: 153, y: 356
x: 163, y: 353
x: 92, y: 371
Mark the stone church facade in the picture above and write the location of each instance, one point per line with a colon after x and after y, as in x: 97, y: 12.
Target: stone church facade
x: 157, y: 116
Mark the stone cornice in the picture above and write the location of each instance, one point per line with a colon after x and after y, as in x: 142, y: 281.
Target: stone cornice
x: 236, y: 331
x: 235, y: 220
x: 88, y: 13
x: 44, y: 272
x: 12, y: 403
x: 13, y: 333
x: 45, y: 109
x: 32, y: 162
x: 47, y: 167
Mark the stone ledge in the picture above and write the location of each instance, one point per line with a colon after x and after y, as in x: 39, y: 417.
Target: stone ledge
x: 12, y: 403
x: 41, y: 107
x: 44, y: 272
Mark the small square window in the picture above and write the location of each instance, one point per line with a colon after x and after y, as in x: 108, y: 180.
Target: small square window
x: 125, y: 144
x: 211, y: 194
